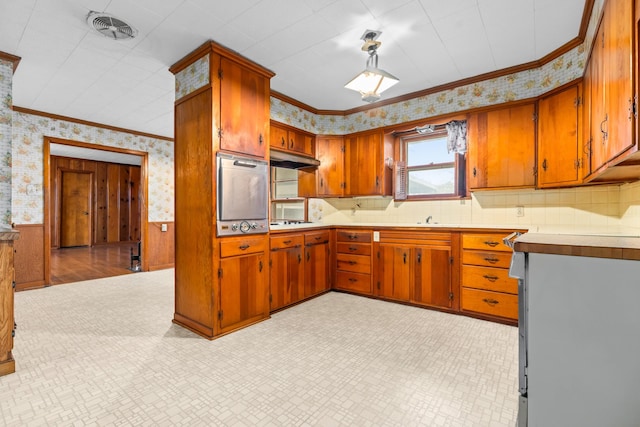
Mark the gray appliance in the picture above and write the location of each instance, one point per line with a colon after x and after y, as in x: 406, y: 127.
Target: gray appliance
x: 517, y: 270
x: 242, y: 195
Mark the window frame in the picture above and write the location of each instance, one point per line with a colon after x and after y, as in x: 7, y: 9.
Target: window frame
x: 459, y: 165
x: 287, y: 200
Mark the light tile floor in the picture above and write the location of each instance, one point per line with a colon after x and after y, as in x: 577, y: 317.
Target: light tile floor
x: 105, y: 352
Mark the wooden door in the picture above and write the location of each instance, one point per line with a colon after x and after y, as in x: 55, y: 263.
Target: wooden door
x: 618, y: 52
x: 6, y: 306
x: 75, y: 209
x: 559, y: 148
x: 594, y: 77
x: 286, y: 277
x: 394, y: 268
x: 330, y: 175
x: 244, y: 109
x: 244, y: 290
x: 317, y: 269
x: 278, y: 137
x: 502, y: 148
x: 432, y: 277
x: 362, y: 165
x: 307, y: 182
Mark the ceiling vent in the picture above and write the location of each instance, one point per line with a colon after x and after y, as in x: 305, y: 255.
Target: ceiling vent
x: 110, y: 26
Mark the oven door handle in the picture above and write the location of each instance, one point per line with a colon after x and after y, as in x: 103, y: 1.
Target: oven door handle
x: 244, y: 164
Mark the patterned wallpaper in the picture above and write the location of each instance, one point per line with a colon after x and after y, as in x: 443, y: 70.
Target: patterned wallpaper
x: 193, y: 77
x: 6, y: 78
x: 27, y: 174
x: 513, y: 87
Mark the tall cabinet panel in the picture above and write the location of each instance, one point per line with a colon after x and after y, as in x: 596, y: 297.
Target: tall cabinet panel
x: 222, y: 104
x: 560, y: 154
x: 7, y: 283
x: 330, y: 174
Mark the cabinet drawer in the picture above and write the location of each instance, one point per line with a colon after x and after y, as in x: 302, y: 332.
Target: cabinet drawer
x: 354, y: 249
x: 354, y: 263
x: 488, y: 278
x: 491, y: 242
x: 316, y: 237
x: 233, y: 246
x: 489, y: 259
x: 354, y: 236
x: 487, y: 302
x: 356, y: 282
x: 286, y: 241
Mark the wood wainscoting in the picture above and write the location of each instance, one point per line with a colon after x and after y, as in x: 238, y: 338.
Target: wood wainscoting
x: 29, y: 260
x: 161, y: 251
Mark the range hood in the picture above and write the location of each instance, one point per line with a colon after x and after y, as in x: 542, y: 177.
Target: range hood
x: 282, y: 159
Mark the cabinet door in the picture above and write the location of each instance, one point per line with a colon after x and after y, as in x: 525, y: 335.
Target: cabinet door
x: 502, y: 148
x: 619, y: 94
x: 244, y: 109
x: 559, y: 147
x: 432, y: 277
x: 301, y: 143
x: 244, y: 291
x: 394, y: 270
x: 330, y: 174
x: 287, y: 275
x: 317, y: 269
x: 6, y: 305
x: 363, y: 165
x: 278, y: 137
x: 594, y: 77
x: 307, y: 182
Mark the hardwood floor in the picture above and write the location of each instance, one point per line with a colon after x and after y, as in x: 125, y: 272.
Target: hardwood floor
x: 88, y: 263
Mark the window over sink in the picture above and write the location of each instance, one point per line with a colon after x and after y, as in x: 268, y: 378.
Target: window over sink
x: 427, y: 167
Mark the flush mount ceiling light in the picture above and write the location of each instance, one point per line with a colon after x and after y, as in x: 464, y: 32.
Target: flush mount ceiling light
x: 372, y: 81
x: 110, y: 26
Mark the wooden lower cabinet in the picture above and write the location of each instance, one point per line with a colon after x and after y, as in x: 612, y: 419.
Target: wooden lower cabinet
x: 317, y: 267
x: 244, y: 291
x: 415, y: 267
x: 287, y: 270
x: 7, y: 284
x: 485, y: 286
x: 300, y: 267
x: 353, y: 261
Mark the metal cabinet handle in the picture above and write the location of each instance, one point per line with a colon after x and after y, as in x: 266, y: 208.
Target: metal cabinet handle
x: 308, y: 256
x: 283, y: 141
x: 404, y: 258
x: 353, y: 237
x: 286, y: 242
x: 260, y: 139
x: 605, y: 134
x: 299, y: 258
x: 491, y: 243
x: 352, y: 263
x: 490, y: 278
x: 352, y: 280
x: 492, y: 302
x: 544, y: 165
x: 260, y: 266
x: 475, y: 172
x: 243, y: 247
x: 419, y: 257
x: 491, y: 260
x: 352, y: 249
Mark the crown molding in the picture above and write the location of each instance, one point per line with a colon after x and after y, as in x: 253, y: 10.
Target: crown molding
x: 15, y: 60
x: 88, y: 123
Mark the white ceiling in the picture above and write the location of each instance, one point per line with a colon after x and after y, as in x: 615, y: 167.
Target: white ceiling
x: 313, y: 46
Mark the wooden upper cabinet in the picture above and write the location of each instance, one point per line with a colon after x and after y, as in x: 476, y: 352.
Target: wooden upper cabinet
x: 330, y: 173
x: 365, y: 171
x: 560, y: 154
x: 287, y: 138
x: 244, y: 109
x: 610, y: 79
x: 501, y: 151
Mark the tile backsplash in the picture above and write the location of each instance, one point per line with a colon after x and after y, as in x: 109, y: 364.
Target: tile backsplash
x: 593, y: 209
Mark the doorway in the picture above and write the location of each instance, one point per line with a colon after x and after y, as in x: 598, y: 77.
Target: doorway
x: 94, y: 212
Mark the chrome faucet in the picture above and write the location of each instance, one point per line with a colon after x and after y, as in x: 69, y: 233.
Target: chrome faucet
x: 428, y: 220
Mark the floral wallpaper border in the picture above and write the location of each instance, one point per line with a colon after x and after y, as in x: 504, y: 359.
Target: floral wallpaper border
x: 6, y: 119
x: 193, y: 77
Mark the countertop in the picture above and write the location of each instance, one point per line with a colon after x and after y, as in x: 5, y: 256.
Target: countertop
x: 9, y: 234
x: 587, y: 245
x: 421, y: 226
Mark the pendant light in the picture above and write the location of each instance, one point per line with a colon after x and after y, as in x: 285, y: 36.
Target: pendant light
x: 372, y: 81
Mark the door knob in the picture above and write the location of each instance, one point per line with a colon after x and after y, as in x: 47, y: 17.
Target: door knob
x: 85, y: 213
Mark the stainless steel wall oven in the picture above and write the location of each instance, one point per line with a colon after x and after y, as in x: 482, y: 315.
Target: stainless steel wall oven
x: 242, y: 195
